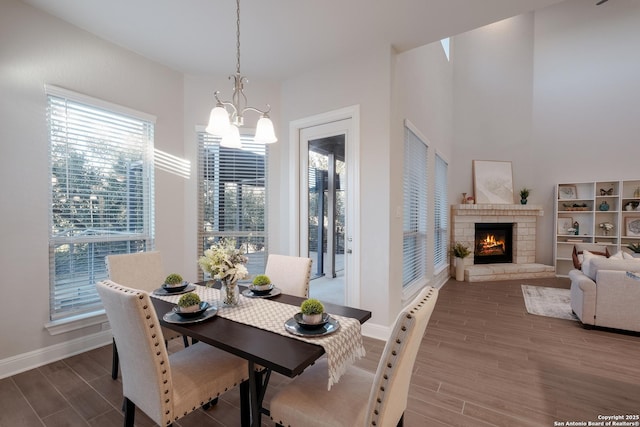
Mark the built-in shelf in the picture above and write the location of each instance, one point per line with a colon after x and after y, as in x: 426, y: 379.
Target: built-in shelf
x: 587, y: 205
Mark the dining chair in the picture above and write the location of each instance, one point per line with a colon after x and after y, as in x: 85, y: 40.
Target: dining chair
x: 291, y: 274
x: 361, y: 398
x: 142, y: 270
x: 165, y: 387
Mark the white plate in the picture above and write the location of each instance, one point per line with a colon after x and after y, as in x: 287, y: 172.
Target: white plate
x: 173, y: 317
x: 294, y: 328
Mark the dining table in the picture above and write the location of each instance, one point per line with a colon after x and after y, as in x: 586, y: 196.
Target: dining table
x: 263, y: 349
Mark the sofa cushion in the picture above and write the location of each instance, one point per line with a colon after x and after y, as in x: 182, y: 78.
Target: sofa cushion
x: 578, y: 253
x: 600, y: 263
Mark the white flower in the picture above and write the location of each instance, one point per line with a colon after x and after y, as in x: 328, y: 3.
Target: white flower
x: 223, y: 261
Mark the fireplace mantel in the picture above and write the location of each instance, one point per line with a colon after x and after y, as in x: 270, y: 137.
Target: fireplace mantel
x: 497, y: 209
x: 524, y: 220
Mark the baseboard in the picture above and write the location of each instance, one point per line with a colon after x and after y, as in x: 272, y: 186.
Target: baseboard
x: 34, y: 359
x: 373, y: 330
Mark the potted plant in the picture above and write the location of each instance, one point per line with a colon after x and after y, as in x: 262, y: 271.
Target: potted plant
x: 635, y: 248
x: 460, y: 251
x: 312, y: 311
x: 261, y: 282
x: 524, y: 194
x: 189, y: 302
x: 173, y: 279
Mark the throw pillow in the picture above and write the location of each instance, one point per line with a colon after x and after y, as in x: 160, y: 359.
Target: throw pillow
x: 578, y: 257
x: 586, y: 263
x: 618, y: 255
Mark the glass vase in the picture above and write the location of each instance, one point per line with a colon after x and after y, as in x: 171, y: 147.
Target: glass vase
x: 229, y: 293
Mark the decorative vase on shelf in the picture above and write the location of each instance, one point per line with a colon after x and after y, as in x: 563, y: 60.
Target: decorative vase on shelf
x: 464, y: 198
x: 523, y: 201
x: 229, y: 293
x: 604, y: 206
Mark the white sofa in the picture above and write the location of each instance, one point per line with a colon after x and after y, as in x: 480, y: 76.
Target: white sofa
x: 604, y: 295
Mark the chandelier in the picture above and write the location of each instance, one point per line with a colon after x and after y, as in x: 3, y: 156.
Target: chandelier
x: 225, y: 122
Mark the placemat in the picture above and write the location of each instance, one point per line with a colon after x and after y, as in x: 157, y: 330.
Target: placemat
x: 342, y: 347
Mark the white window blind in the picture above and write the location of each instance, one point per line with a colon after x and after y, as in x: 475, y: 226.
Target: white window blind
x: 101, y: 172
x: 441, y: 211
x: 232, y: 197
x: 414, y: 250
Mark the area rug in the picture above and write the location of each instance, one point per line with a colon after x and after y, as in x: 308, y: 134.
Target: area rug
x: 549, y: 302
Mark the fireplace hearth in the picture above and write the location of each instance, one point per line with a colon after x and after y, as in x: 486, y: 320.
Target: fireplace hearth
x: 493, y: 243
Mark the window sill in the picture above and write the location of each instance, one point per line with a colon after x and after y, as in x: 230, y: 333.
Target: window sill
x: 74, y: 323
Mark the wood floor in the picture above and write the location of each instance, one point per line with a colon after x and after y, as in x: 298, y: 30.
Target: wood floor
x: 484, y: 361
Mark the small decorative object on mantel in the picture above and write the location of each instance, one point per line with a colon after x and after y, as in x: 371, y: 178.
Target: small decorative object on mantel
x: 604, y: 206
x: 470, y: 200
x: 524, y: 194
x: 226, y: 263
x: 460, y: 251
x: 606, y: 227
x: 464, y: 198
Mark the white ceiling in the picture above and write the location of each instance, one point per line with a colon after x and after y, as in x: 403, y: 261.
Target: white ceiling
x: 279, y: 38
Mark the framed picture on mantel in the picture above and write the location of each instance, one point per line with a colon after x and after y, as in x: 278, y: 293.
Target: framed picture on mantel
x: 493, y: 182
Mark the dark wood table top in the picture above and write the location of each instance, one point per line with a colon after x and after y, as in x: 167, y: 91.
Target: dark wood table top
x: 283, y: 354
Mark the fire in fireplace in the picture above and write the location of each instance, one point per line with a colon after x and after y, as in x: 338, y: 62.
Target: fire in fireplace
x: 493, y: 243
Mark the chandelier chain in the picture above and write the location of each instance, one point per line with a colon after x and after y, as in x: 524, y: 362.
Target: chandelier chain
x: 238, y: 36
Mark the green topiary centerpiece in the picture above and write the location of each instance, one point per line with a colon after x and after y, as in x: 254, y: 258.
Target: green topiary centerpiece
x: 261, y: 280
x: 173, y: 279
x: 312, y: 310
x: 189, y: 302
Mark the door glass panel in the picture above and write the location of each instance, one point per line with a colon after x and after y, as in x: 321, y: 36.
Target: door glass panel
x: 326, y: 218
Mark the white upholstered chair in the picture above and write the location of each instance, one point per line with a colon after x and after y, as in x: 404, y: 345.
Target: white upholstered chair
x: 142, y: 270
x: 166, y: 387
x: 360, y: 398
x: 289, y: 273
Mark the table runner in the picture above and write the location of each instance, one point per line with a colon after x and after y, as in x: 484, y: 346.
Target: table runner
x: 342, y: 347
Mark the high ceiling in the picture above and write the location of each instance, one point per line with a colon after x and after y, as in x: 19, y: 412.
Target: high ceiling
x: 279, y: 38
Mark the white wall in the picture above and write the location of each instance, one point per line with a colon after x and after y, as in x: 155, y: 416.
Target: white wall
x: 586, y: 105
x: 35, y: 49
x: 556, y: 93
x: 362, y: 79
x: 198, y: 102
x: 423, y: 95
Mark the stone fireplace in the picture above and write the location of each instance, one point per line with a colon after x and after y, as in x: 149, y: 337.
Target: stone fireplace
x: 520, y: 219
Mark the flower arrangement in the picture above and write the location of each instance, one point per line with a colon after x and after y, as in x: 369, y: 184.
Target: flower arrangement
x: 460, y: 250
x: 606, y: 226
x: 224, y: 262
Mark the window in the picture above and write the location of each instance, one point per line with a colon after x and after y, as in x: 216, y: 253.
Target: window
x: 441, y: 217
x: 232, y: 197
x: 101, y: 172
x: 414, y: 242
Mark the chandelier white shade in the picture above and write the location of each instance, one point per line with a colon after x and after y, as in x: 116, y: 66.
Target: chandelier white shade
x: 227, y: 117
